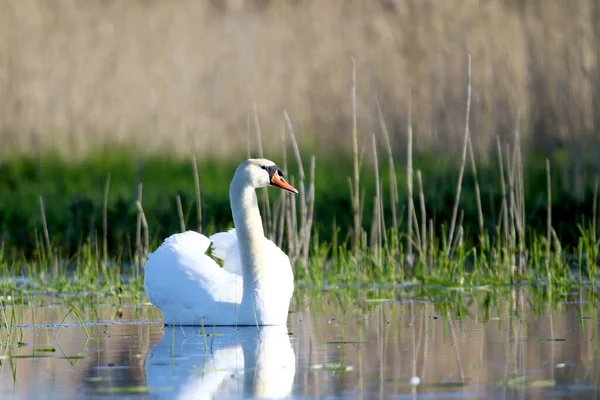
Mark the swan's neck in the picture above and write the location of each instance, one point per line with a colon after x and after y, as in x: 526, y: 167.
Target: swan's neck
x: 250, y: 236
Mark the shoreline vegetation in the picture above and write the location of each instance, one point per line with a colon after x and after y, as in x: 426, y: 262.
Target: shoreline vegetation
x: 358, y: 220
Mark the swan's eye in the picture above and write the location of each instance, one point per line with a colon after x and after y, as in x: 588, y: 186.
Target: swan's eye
x: 263, y: 167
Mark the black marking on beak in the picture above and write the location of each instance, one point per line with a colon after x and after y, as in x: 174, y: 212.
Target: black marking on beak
x: 272, y: 170
x: 276, y: 179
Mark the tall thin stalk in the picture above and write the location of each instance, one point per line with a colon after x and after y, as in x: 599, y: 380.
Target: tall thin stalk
x: 392, y: 170
x: 257, y: 131
x: 197, y: 192
x: 409, y: 181
x: 146, y: 233
x: 374, y: 239
x: 513, y: 218
x: 548, y: 215
x: 417, y: 232
x: 298, y: 235
x: 595, y: 210
x: 283, y: 197
x: 504, y: 205
x: 477, y: 192
x: 311, y: 209
x: 294, y: 242
x: 45, y: 228
x: 423, y: 215
x: 463, y: 160
x: 138, y: 233
x: 379, y: 229
x: 431, y: 246
x: 281, y: 219
x: 105, y: 219
x: 354, y: 187
x: 306, y: 200
x: 266, y: 203
x: 248, y: 140
x: 518, y: 197
x: 180, y: 214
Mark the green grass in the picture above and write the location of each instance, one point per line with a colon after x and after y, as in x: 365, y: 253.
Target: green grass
x: 513, y: 250
x: 73, y: 198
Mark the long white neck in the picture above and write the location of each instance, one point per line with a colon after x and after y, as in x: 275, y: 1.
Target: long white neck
x: 250, y: 237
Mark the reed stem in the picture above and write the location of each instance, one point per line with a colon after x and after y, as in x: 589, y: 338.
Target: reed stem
x: 463, y: 160
x: 595, y: 210
x: 423, y: 214
x: 548, y: 215
x: 354, y: 188
x: 392, y: 170
x: 145, y: 226
x: 105, y: 219
x: 409, y: 180
x: 197, y: 193
x: 180, y: 214
x: 48, y: 250
x: 477, y: 191
x: 504, y: 205
x: 265, y: 192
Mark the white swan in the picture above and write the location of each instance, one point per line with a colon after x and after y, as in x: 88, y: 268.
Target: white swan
x: 255, y: 285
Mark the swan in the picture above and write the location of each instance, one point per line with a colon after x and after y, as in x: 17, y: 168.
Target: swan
x: 256, y: 283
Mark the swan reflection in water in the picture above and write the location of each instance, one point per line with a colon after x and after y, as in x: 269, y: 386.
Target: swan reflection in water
x: 226, y: 362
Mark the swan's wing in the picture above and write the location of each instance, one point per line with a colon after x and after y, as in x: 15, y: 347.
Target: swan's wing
x: 225, y: 247
x: 179, y: 274
x: 221, y: 242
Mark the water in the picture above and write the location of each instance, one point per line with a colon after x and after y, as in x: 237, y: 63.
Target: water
x: 352, y: 344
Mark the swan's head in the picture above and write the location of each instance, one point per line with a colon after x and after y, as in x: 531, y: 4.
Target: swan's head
x: 260, y: 172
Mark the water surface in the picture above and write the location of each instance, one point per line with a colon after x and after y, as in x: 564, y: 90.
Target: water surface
x: 393, y: 343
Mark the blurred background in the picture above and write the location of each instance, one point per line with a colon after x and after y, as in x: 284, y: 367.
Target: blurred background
x: 182, y: 75
x: 80, y: 79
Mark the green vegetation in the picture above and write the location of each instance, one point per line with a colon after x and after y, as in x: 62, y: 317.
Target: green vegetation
x: 79, y: 212
x: 73, y: 199
x: 356, y: 220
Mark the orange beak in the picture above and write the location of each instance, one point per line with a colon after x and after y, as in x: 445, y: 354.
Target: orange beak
x: 282, y: 184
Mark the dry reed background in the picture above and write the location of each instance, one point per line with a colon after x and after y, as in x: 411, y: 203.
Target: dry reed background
x: 184, y: 75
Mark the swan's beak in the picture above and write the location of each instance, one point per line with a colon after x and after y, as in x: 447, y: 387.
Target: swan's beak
x: 278, y: 181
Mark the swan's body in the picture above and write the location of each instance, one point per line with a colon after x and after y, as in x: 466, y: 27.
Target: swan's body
x: 190, y: 288
x: 255, y: 285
